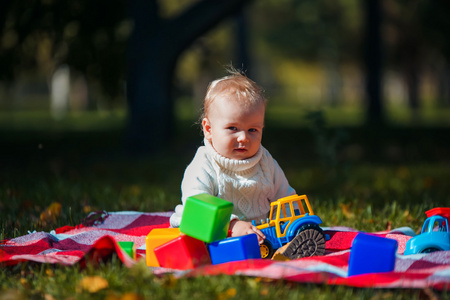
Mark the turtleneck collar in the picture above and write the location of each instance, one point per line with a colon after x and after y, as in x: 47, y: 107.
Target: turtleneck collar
x: 233, y: 165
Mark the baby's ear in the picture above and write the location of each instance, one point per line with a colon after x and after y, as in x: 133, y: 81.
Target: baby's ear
x: 206, y: 125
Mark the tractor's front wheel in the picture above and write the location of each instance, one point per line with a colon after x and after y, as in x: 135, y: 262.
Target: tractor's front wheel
x: 310, y: 241
x: 266, y: 249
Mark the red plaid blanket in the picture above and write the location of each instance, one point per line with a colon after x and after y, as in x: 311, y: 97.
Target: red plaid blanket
x: 71, y: 245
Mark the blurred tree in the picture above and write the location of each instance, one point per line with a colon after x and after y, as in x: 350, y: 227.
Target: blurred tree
x: 310, y: 28
x: 91, y: 37
x: 435, y: 28
x: 407, y: 47
x: 154, y: 48
x: 417, y: 34
x: 40, y: 35
x: 321, y: 32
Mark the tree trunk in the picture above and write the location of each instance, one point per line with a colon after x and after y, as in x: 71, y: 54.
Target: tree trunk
x: 242, y: 59
x: 155, y: 46
x: 373, y: 62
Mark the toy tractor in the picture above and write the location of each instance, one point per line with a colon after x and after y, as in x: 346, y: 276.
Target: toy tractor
x: 291, y: 220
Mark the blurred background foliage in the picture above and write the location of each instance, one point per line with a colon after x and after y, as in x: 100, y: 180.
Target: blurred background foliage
x: 306, y: 54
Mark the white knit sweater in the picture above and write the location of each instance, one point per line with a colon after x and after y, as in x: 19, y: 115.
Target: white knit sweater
x: 249, y: 184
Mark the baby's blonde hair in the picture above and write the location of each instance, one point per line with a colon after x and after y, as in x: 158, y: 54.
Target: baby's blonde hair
x: 236, y: 84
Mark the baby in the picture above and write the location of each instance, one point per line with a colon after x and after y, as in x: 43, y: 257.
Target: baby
x: 233, y: 165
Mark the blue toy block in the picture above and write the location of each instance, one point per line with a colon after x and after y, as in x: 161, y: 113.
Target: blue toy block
x: 234, y: 249
x: 206, y: 218
x: 372, y: 254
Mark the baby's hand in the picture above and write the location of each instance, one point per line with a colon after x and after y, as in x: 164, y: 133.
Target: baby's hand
x: 239, y: 228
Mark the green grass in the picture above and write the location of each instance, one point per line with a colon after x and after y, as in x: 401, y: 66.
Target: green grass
x: 369, y: 180
x: 49, y: 282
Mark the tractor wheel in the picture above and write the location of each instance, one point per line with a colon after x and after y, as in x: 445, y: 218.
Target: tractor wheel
x: 309, y: 241
x: 430, y: 250
x: 266, y: 249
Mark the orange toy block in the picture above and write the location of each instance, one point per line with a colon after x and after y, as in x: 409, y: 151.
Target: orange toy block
x: 155, y: 238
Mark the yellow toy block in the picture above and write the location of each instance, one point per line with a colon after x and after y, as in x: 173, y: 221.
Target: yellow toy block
x: 155, y: 238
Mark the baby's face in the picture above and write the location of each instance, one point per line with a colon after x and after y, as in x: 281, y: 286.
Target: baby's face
x: 234, y: 132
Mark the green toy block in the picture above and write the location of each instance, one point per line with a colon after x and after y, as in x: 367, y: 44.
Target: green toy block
x: 129, y: 248
x: 206, y: 218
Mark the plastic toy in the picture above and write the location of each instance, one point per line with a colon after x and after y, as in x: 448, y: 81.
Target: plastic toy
x: 129, y: 248
x: 155, y: 238
x: 206, y: 218
x: 371, y: 254
x: 439, y: 211
x: 234, y: 249
x: 434, y: 236
x: 183, y: 252
x: 291, y: 220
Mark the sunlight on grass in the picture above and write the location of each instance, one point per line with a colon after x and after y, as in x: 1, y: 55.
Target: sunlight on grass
x: 427, y: 116
x: 282, y: 113
x: 79, y: 121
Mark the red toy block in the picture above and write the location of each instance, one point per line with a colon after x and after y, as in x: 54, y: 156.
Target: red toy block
x: 183, y: 252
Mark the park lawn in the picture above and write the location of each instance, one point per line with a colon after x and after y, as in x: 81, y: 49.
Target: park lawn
x: 371, y: 198
x: 74, y: 171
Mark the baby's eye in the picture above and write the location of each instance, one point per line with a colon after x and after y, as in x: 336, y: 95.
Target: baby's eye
x: 232, y: 128
x: 252, y: 130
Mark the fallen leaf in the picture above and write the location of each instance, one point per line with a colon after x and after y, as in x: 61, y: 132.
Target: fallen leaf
x: 229, y: 293
x: 278, y: 255
x: 25, y: 283
x: 345, y: 208
x: 51, y: 213
x: 87, y: 209
x: 388, y: 226
x: 92, y: 284
x: 130, y: 296
x: 49, y: 273
x: 49, y: 297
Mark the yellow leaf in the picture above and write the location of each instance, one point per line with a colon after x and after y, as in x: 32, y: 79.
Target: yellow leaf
x: 51, y: 213
x: 49, y: 297
x: 24, y: 282
x: 87, y: 209
x: 49, y: 273
x: 92, y: 284
x: 279, y: 256
x: 130, y: 296
x: 346, y: 211
x: 230, y: 293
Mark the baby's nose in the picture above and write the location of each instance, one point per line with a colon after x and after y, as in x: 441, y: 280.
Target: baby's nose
x: 243, y: 137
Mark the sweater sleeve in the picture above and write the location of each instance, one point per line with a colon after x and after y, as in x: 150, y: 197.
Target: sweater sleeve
x: 199, y: 178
